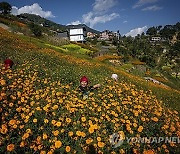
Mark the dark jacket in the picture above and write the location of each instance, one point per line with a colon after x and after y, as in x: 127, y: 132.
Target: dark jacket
x: 85, y: 90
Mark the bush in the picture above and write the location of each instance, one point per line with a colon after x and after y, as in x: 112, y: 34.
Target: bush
x: 36, y: 30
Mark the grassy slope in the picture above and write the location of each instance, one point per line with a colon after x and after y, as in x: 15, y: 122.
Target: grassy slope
x: 34, y: 90
x: 69, y: 67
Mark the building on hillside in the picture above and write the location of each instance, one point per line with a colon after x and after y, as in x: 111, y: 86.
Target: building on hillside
x: 77, y: 34
x: 155, y: 38
x: 63, y: 35
x: 91, y: 35
x: 104, y: 35
x: 109, y: 35
x: 117, y: 35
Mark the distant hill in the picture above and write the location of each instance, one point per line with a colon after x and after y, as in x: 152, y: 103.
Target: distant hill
x: 50, y: 24
x: 41, y: 21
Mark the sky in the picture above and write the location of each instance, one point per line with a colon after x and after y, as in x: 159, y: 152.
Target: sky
x: 130, y: 17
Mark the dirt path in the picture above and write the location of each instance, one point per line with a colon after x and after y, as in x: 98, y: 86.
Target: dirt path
x: 4, y: 26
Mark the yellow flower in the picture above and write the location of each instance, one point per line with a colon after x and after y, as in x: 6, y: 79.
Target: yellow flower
x: 70, y: 133
x: 10, y: 147
x: 53, y: 122
x: 136, y: 113
x: 98, y: 139
x: 11, y: 104
x: 68, y: 120
x: 22, y: 144
x: 143, y: 119
x: 78, y: 133
x: 140, y: 129
x: 68, y: 148
x: 15, y: 126
x: 43, y: 152
x: 91, y: 130
x: 25, y: 136
x: 45, y: 136
x: 58, y: 144
x: 172, y: 128
x: 155, y: 119
x: 12, y: 122
x: 46, y: 121
x: 134, y: 124
x: 56, y: 133
x: 4, y: 129
x: 83, y: 134
x: 101, y: 144
x: 83, y: 119
x: 122, y: 135
x: 55, y: 107
x: 62, y: 130
x: 89, y: 140
x: 148, y: 152
x: 3, y: 82
x: 58, y: 124
x: 34, y: 120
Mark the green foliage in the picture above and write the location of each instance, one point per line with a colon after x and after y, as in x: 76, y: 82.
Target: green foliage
x: 77, y: 49
x: 151, y: 31
x: 168, y: 32
x: 39, y: 20
x: 56, y: 40
x: 104, y: 43
x: 36, y: 29
x: 5, y: 8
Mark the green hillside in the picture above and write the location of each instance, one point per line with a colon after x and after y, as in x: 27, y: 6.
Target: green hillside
x: 42, y: 110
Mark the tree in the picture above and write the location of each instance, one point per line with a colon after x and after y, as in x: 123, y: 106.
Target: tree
x: 36, y: 29
x: 151, y: 31
x: 168, y: 32
x: 5, y: 8
x: 178, y: 36
x: 174, y: 51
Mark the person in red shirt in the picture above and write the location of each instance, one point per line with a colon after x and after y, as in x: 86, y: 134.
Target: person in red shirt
x: 8, y: 63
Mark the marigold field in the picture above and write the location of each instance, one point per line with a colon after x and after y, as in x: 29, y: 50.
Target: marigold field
x: 42, y: 110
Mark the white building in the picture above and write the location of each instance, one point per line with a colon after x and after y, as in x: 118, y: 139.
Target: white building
x: 155, y: 38
x: 77, y: 34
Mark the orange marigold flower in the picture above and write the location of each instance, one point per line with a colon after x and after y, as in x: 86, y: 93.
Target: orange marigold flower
x: 53, y: 122
x: 148, y: 152
x: 10, y: 147
x: 91, y: 130
x: 34, y: 120
x: 58, y: 144
x: 83, y: 119
x: 155, y: 119
x: 101, y: 144
x: 98, y: 139
x: 140, y: 129
x: 89, y: 140
x: 70, y: 133
x: 12, y: 122
x: 46, y: 121
x: 56, y: 133
x: 45, y: 136
x: 58, y: 124
x: 68, y: 120
x: 68, y: 148
x: 78, y: 133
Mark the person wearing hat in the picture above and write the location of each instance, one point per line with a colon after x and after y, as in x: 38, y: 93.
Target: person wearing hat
x: 84, y: 88
x: 8, y: 63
